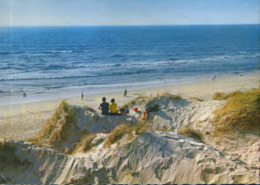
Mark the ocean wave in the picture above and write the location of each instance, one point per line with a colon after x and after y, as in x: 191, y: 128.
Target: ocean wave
x: 11, y: 52
x: 66, y: 51
x: 117, y: 56
x: 4, y: 52
x: 76, y: 75
x: 45, y: 78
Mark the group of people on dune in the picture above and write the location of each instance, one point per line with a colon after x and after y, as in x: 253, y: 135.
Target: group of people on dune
x: 108, y: 109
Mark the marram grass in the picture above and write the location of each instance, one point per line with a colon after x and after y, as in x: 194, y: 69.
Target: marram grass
x: 195, y: 134
x: 223, y: 96
x: 241, y: 111
x: 55, y: 129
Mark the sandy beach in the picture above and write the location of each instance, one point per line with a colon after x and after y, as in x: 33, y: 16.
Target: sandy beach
x: 20, y: 121
x: 77, y: 144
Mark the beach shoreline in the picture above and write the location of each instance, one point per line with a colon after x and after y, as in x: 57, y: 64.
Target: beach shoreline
x: 73, y: 92
x: 187, y: 88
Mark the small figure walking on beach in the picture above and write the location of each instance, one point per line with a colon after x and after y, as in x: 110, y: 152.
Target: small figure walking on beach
x: 82, y: 95
x: 214, y: 77
x: 125, y: 93
x: 24, y: 95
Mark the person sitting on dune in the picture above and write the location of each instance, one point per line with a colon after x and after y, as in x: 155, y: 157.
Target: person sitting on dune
x: 113, y: 107
x: 104, y: 106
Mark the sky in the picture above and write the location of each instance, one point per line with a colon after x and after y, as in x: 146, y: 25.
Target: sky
x: 127, y: 12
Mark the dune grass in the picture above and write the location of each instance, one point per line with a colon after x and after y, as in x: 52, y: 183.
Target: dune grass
x: 195, y: 134
x: 241, y: 111
x: 223, y: 96
x: 122, y: 129
x: 85, y: 143
x: 82, y: 180
x: 134, y: 101
x: 55, y: 129
x: 89, y: 108
x: 9, y: 160
x: 196, y: 99
x: 117, y: 133
x: 171, y: 96
x: 175, y: 97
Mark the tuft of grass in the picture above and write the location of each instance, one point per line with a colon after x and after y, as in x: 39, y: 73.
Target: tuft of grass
x: 5, y: 180
x: 134, y: 101
x: 171, y: 96
x: 219, y: 96
x: 122, y: 129
x: 175, y: 97
x: 41, y: 154
x: 117, y: 133
x: 195, y: 134
x: 55, y: 129
x: 232, y: 94
x: 8, y: 159
x: 140, y: 127
x: 196, y: 99
x: 241, y: 111
x: 82, y: 180
x: 89, y: 108
x: 85, y: 143
x: 2, y: 141
x: 223, y: 96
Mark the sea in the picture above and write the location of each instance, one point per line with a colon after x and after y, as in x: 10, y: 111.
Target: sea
x: 51, y: 62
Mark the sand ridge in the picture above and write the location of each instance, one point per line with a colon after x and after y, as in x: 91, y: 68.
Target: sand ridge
x: 159, y: 154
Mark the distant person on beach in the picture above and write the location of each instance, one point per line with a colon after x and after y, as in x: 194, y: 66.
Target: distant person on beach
x: 82, y: 95
x: 104, y: 107
x: 125, y: 93
x: 113, y: 107
x: 24, y: 94
x: 214, y: 77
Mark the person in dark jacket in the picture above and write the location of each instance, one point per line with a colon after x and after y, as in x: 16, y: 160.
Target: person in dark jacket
x: 104, y: 107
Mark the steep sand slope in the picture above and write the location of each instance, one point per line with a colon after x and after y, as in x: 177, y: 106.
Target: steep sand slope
x: 158, y: 155
x: 152, y: 157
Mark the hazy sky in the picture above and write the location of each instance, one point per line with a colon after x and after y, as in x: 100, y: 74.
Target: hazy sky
x: 127, y: 12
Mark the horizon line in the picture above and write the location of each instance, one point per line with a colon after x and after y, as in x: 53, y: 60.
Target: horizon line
x: 130, y: 25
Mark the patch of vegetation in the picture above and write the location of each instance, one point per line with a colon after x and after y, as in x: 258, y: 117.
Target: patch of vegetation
x: 55, y: 129
x: 195, y: 134
x: 241, y: 111
x: 223, y: 96
x: 82, y: 180
x: 85, y: 143
x: 89, y: 108
x: 117, y: 133
x: 8, y: 157
x: 140, y: 127
x: 5, y: 180
x: 218, y: 96
x: 133, y: 102
x: 171, y: 96
x: 196, y: 99
x: 122, y: 129
x: 175, y: 97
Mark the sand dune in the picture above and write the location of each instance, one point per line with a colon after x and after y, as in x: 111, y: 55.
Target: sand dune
x: 74, y: 143
x: 158, y: 154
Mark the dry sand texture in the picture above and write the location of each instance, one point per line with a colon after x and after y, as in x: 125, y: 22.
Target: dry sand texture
x: 77, y: 145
